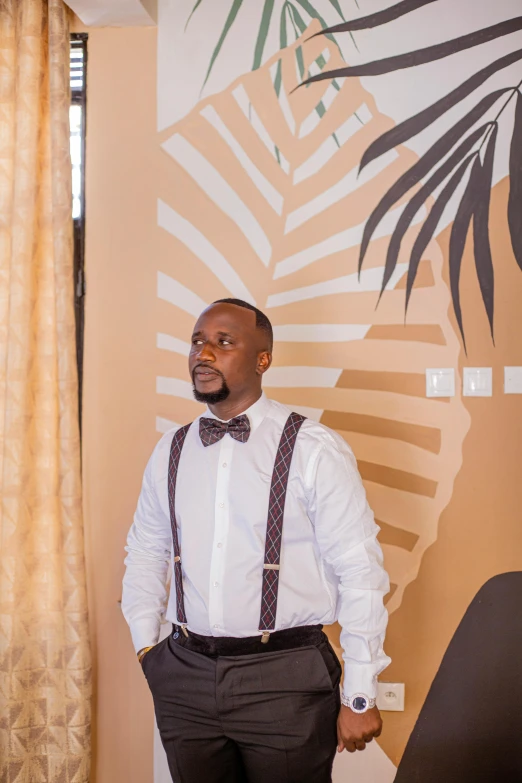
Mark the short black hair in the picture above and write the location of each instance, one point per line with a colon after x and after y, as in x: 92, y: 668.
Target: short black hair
x: 262, y: 322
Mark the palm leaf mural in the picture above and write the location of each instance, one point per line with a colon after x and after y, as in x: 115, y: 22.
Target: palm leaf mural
x: 268, y: 9
x: 254, y: 200
x: 236, y: 5
x: 442, y: 171
x: 295, y: 16
x: 515, y: 181
x: 378, y: 18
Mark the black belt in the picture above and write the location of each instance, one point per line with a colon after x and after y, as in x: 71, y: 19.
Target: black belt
x: 214, y: 646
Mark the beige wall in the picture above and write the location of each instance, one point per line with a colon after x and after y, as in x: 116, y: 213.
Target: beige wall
x: 478, y: 533
x: 122, y: 170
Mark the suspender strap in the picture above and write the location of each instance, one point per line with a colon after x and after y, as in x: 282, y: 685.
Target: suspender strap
x: 274, y: 529
x: 175, y: 453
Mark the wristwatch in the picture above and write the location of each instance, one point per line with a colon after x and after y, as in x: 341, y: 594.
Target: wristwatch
x: 358, y: 703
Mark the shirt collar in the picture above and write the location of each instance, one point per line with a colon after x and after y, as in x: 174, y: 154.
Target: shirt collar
x: 256, y: 413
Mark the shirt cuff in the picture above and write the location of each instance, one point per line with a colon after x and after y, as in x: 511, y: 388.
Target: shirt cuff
x: 359, y: 679
x: 145, y: 632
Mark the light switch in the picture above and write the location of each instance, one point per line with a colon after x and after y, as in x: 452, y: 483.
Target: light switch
x: 390, y: 696
x: 478, y: 381
x: 440, y: 382
x: 513, y: 380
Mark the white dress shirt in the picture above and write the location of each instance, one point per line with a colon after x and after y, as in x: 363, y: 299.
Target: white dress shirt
x: 331, y: 562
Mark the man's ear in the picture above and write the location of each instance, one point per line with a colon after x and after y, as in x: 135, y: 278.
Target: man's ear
x: 264, y: 360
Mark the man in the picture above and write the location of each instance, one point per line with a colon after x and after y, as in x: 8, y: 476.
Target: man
x: 263, y: 517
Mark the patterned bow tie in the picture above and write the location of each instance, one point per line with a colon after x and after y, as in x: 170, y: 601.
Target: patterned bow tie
x: 212, y: 430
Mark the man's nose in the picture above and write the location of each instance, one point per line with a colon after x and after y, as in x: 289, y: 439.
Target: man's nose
x: 206, y: 353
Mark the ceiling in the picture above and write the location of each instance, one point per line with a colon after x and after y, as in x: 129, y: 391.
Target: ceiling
x: 115, y: 13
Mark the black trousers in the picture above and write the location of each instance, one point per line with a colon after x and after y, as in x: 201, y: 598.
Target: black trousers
x: 265, y: 715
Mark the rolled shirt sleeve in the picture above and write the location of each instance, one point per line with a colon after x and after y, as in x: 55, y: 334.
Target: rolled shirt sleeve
x: 149, y: 543
x: 346, y: 533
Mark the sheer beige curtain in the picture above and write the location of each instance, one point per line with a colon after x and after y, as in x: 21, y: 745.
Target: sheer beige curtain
x: 44, y: 650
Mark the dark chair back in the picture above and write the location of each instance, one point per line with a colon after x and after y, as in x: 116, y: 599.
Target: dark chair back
x: 470, y: 727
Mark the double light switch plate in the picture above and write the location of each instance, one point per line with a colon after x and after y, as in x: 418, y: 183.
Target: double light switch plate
x: 440, y: 382
x: 478, y: 382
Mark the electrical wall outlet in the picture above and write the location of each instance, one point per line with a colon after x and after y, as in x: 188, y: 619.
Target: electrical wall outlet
x: 390, y: 696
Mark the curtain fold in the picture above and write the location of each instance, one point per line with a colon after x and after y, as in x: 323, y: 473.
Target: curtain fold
x: 45, y: 675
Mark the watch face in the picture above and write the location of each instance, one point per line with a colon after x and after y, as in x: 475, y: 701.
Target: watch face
x: 359, y: 704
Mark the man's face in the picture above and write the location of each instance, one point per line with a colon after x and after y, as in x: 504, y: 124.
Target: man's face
x: 228, y: 354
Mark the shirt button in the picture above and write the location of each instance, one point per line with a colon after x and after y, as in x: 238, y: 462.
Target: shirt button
x: 221, y: 505
x: 216, y: 626
x: 224, y: 464
x: 216, y: 584
x: 219, y: 545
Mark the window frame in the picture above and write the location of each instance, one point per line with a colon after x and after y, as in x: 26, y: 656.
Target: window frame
x: 79, y: 98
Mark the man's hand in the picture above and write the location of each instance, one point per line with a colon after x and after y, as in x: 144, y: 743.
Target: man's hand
x: 354, y: 730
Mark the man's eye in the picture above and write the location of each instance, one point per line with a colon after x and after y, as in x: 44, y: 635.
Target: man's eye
x: 197, y: 342
x: 225, y: 342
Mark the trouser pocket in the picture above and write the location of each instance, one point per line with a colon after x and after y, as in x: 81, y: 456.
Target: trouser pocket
x: 330, y: 661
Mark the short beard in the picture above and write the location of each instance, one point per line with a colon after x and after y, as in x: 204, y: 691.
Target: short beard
x: 211, y: 398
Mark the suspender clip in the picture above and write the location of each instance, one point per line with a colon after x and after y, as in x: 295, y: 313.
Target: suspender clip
x: 265, y: 637
x: 184, y: 629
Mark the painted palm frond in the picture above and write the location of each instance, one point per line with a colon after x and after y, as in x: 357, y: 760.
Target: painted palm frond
x: 293, y: 17
x: 258, y: 201
x: 236, y: 5
x: 422, y: 56
x: 463, y: 151
x: 268, y: 10
x: 378, y: 18
x: 515, y: 191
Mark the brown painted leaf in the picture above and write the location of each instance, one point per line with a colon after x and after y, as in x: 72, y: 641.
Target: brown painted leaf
x: 377, y: 19
x: 515, y: 184
x: 430, y: 226
x: 458, y: 236
x: 414, y: 125
x: 482, y: 245
x: 422, y: 56
x: 420, y: 197
x: 423, y: 166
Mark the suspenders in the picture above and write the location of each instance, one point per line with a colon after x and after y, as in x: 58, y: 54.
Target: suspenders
x: 175, y: 453
x: 274, y: 528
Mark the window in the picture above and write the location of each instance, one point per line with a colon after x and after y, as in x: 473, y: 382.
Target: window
x: 78, y: 71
